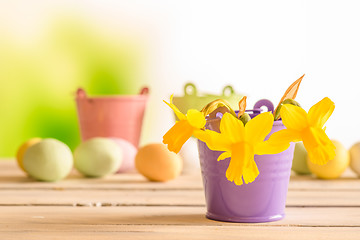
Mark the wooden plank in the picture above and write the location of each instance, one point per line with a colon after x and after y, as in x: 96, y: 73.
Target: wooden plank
x: 116, y: 182
x: 314, y: 198
x: 34, y: 197
x: 173, y: 210
x: 139, y: 232
x: 37, y: 218
x: 348, y: 181
x: 11, y: 177
x: 135, y: 181
x: 102, y: 198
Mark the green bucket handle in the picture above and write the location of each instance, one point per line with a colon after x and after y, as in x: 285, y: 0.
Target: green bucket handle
x: 228, y: 91
x: 190, y: 90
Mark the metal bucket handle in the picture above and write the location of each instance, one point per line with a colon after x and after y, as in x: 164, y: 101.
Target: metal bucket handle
x: 264, y: 103
x: 228, y: 91
x: 144, y: 91
x: 190, y: 89
x: 81, y: 94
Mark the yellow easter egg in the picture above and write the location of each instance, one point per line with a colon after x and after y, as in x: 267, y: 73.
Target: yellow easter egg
x: 335, y: 167
x: 22, y: 149
x: 157, y: 163
x: 355, y: 158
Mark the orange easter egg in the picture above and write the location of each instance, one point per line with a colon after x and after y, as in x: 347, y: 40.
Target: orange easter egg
x: 157, y: 163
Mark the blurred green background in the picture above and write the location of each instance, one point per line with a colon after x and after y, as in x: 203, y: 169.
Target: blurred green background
x: 39, y: 78
x: 50, y: 48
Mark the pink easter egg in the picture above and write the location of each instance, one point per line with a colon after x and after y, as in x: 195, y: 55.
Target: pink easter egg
x: 129, y: 153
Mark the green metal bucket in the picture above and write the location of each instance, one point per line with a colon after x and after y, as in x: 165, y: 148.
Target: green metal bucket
x: 193, y: 100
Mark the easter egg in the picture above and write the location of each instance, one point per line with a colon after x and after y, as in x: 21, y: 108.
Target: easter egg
x: 355, y: 158
x: 335, y: 167
x: 157, y: 163
x: 48, y: 160
x: 98, y: 157
x: 22, y: 149
x: 299, y: 164
x: 129, y: 152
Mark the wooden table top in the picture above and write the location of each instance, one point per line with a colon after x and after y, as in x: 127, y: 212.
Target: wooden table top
x: 127, y: 206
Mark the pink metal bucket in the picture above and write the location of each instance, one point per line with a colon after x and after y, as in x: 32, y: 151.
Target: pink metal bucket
x: 111, y: 116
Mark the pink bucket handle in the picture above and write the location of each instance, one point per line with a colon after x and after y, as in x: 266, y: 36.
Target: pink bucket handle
x: 144, y: 91
x: 80, y: 93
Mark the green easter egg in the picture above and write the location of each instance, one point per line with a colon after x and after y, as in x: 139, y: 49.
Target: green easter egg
x: 49, y: 160
x: 299, y: 164
x: 98, y: 157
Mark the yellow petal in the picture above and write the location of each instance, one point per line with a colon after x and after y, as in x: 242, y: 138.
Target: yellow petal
x: 258, y: 128
x: 320, y: 112
x: 224, y: 155
x: 278, y: 142
x: 232, y: 128
x: 178, y: 135
x: 294, y: 117
x: 177, y: 112
x: 196, y: 118
x: 215, y: 141
x: 202, y: 135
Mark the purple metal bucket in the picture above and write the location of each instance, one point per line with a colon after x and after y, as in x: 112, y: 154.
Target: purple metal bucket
x: 260, y: 201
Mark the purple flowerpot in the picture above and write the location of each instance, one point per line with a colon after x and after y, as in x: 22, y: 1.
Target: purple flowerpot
x: 263, y: 200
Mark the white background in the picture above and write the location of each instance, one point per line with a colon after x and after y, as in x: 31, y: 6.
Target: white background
x: 258, y: 47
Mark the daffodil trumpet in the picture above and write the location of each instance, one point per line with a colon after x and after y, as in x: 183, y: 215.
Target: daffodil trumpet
x: 188, y: 125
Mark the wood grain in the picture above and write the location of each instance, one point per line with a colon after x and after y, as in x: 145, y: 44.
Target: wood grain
x: 11, y: 177
x: 127, y: 206
x: 141, y: 232
x: 164, y: 215
x: 83, y: 197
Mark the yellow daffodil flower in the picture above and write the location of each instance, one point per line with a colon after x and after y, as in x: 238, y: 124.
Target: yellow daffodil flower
x: 309, y: 128
x: 240, y: 143
x: 188, y: 124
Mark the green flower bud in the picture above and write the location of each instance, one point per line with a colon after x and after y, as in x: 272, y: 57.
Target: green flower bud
x: 286, y: 101
x: 245, y: 118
